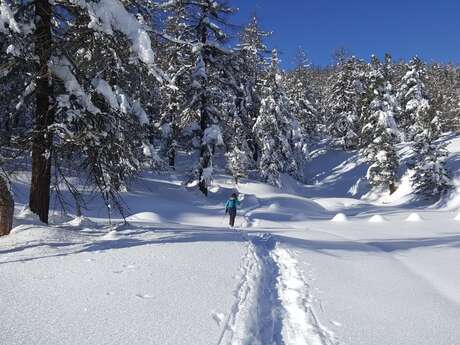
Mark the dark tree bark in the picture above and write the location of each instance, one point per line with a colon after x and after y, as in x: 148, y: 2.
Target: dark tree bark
x: 6, y: 208
x: 205, y: 152
x: 392, y: 187
x: 42, y: 138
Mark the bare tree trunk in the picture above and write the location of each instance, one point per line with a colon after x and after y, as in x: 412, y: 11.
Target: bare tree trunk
x: 6, y: 208
x: 42, y: 140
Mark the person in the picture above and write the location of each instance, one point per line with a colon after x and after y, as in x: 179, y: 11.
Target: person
x: 230, y: 208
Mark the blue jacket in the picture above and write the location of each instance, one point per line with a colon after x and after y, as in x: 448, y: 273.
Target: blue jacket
x: 231, y: 203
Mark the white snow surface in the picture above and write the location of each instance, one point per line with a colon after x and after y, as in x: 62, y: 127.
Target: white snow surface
x: 174, y: 274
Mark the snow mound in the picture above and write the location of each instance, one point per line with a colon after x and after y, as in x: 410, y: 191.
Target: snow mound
x: 81, y: 222
x: 340, y: 217
x: 457, y: 217
x: 377, y: 219
x: 26, y: 213
x: 145, y: 217
x: 58, y: 218
x: 274, y: 206
x: 414, y: 217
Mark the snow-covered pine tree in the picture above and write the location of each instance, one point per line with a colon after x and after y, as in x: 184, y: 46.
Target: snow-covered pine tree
x: 84, y: 112
x: 207, y: 90
x: 239, y: 160
x: 413, y: 98
x: 282, y: 143
x: 380, y: 130
x: 444, y: 88
x: 175, y: 58
x: 250, y: 58
x: 343, y: 99
x: 431, y: 178
x: 298, y: 89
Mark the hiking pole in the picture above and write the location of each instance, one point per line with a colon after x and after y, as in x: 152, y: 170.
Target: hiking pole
x: 223, y: 218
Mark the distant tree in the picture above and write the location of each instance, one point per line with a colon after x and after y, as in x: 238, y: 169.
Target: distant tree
x: 343, y: 99
x: 414, y: 99
x: 301, y: 96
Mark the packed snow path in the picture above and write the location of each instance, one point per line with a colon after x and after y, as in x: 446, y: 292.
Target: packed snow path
x: 273, y: 303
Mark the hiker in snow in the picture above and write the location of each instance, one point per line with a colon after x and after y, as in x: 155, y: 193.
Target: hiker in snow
x: 230, y: 208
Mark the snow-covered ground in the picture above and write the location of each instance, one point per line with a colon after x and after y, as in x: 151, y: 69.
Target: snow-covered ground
x: 384, y: 272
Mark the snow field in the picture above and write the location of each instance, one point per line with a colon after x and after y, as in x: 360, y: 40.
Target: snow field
x: 175, y: 275
x: 273, y: 304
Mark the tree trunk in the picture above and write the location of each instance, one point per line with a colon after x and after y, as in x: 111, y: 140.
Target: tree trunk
x: 172, y: 158
x: 6, y: 208
x: 205, y: 153
x: 42, y: 138
x: 392, y: 187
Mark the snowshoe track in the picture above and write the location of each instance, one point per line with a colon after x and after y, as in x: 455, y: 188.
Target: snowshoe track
x: 273, y: 304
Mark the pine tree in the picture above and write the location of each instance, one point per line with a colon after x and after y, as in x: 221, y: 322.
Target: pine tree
x: 300, y: 94
x: 343, y: 100
x: 207, y: 90
x: 380, y: 129
x: 238, y: 157
x: 283, y: 147
x: 175, y: 58
x: 84, y: 114
x: 250, y: 59
x: 443, y: 86
x: 413, y: 98
x: 431, y: 178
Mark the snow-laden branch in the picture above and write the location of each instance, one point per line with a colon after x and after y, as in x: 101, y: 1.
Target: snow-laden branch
x: 118, y: 100
x: 7, y: 19
x: 62, y: 69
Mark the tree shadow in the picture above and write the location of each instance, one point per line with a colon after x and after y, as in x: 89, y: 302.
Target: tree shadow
x: 172, y: 235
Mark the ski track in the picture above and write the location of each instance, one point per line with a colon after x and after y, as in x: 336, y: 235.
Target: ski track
x: 273, y: 305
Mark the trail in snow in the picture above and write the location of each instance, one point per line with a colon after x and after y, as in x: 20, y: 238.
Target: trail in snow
x: 273, y: 303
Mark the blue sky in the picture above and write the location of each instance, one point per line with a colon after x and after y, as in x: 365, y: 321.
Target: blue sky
x: 430, y: 29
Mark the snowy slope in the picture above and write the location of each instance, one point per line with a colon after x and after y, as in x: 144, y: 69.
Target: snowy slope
x: 175, y: 274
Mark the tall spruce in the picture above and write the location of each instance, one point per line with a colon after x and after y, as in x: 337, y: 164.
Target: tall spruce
x: 430, y: 178
x: 301, y: 95
x: 413, y: 98
x: 380, y: 129
x: 207, y: 90
x: 282, y: 142
x: 344, y: 96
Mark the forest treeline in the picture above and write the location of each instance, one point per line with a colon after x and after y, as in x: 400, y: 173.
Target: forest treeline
x: 104, y: 89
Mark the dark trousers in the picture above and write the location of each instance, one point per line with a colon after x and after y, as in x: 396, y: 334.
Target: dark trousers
x: 232, y: 213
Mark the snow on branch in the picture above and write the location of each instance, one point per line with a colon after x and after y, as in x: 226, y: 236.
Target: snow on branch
x: 118, y: 100
x: 62, y: 69
x: 7, y: 19
x: 110, y: 15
